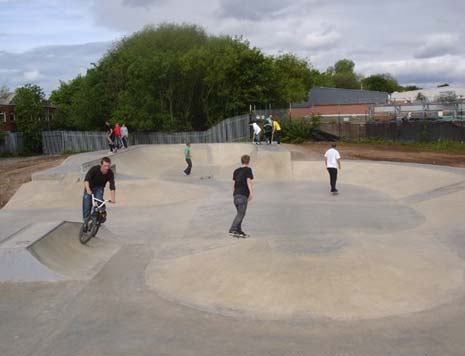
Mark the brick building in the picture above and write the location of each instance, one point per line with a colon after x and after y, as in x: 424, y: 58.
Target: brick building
x: 336, y: 103
x: 8, y: 116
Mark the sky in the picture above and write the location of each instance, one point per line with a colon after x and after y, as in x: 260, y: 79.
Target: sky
x: 419, y: 42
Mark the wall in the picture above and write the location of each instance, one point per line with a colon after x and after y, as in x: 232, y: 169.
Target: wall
x: 359, y: 109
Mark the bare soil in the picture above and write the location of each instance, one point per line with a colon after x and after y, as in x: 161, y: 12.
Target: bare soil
x: 16, y: 171
x: 315, y: 151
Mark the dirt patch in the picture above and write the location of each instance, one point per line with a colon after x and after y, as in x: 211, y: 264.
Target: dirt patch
x: 315, y: 151
x: 16, y: 171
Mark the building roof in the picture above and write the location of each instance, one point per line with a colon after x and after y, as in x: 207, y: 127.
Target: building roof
x: 337, y: 96
x: 431, y: 94
x: 6, y: 98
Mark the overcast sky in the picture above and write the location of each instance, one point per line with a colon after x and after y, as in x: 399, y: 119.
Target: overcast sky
x: 419, y: 42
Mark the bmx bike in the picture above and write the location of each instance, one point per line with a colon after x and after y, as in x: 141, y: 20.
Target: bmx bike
x: 97, y: 217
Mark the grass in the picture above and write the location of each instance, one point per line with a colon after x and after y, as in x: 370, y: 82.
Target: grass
x: 443, y: 146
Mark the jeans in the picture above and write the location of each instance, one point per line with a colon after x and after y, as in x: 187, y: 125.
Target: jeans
x: 258, y: 138
x: 333, y: 178
x: 118, y: 142
x: 125, y: 141
x: 189, y: 166
x: 240, y: 201
x: 87, y: 201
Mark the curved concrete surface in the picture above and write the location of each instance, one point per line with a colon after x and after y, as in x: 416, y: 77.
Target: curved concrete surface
x: 51, y: 251
x: 375, y: 250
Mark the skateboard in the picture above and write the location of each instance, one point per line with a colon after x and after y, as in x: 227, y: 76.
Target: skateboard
x: 239, y: 236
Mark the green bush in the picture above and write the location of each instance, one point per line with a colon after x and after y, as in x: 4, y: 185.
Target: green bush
x: 300, y: 130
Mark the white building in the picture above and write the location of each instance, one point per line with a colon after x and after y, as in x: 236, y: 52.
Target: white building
x: 431, y: 95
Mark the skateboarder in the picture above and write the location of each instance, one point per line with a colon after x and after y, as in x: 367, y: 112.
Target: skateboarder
x: 242, y: 193
x: 94, y: 183
x: 277, y: 131
x: 256, y: 133
x: 110, y: 136
x: 333, y: 163
x: 187, y: 155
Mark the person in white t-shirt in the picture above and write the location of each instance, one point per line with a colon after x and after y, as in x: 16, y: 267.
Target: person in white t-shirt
x: 256, y: 132
x: 333, y: 163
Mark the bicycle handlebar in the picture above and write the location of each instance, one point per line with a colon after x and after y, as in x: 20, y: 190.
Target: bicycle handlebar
x: 102, y: 202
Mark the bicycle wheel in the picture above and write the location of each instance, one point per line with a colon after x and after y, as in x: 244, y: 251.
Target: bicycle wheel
x: 85, y: 236
x: 94, y: 228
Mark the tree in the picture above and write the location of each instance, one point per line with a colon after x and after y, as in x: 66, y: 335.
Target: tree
x: 448, y: 98
x: 30, y: 101
x: 443, y: 85
x: 342, y: 75
x: 409, y: 88
x: 4, y: 90
x: 174, y: 77
x: 421, y: 97
x: 294, y: 78
x: 381, y: 82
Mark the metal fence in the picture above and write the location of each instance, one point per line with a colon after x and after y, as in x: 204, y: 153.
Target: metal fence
x: 417, y: 131
x: 230, y: 130
x: 12, y: 142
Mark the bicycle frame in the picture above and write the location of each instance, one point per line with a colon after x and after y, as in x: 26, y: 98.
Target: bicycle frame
x: 97, y: 203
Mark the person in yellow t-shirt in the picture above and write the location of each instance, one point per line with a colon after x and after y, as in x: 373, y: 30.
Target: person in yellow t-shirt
x: 277, y: 131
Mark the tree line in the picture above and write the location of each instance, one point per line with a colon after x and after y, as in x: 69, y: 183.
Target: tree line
x: 178, y: 77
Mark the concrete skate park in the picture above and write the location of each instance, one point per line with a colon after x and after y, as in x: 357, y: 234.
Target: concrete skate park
x: 376, y: 270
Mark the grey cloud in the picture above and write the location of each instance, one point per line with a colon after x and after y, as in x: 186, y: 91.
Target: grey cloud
x: 439, y: 45
x: 141, y: 3
x: 424, y: 72
x: 400, y: 37
x: 46, y: 66
x: 252, y: 10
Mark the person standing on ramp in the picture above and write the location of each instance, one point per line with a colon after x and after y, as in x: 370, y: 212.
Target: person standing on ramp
x: 256, y: 133
x: 242, y: 193
x: 276, y: 132
x: 187, y: 155
x: 333, y: 163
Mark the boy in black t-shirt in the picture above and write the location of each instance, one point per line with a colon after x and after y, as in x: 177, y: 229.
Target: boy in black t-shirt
x: 94, y: 183
x: 242, y: 192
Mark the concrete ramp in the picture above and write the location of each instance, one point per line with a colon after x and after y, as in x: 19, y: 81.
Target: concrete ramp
x: 271, y: 163
x: 51, y: 251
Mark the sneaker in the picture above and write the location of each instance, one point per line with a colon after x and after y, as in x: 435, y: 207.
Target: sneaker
x: 242, y: 234
x: 184, y: 173
x: 233, y: 233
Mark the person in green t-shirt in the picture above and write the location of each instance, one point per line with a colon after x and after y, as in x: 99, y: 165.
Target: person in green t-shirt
x: 187, y: 155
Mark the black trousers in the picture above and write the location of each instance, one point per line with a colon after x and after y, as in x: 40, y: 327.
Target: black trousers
x: 268, y: 135
x: 332, y: 178
x: 277, y: 136
x: 189, y: 166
